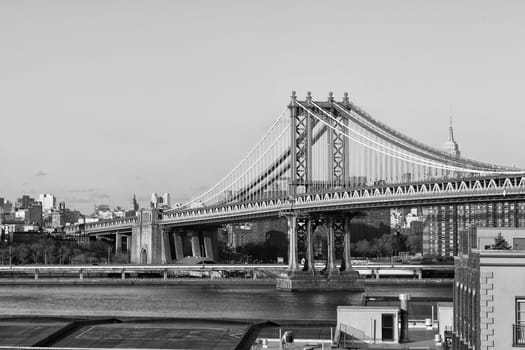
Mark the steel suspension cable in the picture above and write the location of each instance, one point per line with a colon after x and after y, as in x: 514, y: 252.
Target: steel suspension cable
x: 417, y: 161
x: 420, y: 161
x: 240, y: 163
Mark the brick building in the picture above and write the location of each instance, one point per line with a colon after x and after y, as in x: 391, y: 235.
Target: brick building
x: 489, y: 296
x: 444, y: 222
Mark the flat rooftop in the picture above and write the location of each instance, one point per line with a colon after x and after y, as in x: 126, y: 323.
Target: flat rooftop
x: 164, y: 333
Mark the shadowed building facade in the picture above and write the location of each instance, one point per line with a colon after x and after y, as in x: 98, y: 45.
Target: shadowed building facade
x: 489, y: 296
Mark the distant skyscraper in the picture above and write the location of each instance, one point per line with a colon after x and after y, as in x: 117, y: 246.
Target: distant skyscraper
x: 48, y: 201
x: 25, y: 202
x: 134, y: 204
x: 154, y: 203
x: 451, y: 146
x: 166, y: 200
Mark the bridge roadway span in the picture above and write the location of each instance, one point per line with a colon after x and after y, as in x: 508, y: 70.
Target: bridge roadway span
x: 483, y: 189
x: 150, y: 235
x: 417, y: 194
x: 42, y: 271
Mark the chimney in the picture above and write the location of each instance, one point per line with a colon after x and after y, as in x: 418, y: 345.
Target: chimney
x: 403, y: 299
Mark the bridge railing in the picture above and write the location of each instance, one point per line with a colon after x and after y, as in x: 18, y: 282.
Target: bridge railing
x: 483, y: 186
x: 120, y: 222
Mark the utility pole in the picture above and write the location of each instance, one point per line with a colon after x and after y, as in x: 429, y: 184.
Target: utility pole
x: 109, y: 253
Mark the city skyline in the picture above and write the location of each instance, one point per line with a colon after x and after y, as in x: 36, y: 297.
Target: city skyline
x: 95, y: 119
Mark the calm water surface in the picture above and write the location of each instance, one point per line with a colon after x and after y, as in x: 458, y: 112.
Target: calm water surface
x: 231, y: 301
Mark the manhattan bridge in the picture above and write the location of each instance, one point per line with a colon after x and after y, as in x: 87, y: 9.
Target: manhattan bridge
x: 320, y: 163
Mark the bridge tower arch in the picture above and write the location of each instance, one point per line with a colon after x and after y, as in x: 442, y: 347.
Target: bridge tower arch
x: 143, y: 256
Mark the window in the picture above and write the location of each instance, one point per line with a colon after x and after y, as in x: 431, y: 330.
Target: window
x: 387, y: 330
x: 519, y: 326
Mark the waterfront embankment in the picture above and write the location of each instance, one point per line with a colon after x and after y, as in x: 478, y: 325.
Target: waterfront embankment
x: 205, y: 281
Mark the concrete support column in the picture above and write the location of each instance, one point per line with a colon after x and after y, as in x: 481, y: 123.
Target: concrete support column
x: 309, y: 245
x: 292, y: 246
x: 123, y: 274
x: 195, y: 244
x: 347, y: 256
x: 419, y: 274
x: 81, y: 275
x: 118, y: 242
x: 165, y: 275
x: 177, y: 239
x: 330, y: 261
x: 128, y: 244
x: 165, y: 251
x: 208, y: 245
x: 36, y: 274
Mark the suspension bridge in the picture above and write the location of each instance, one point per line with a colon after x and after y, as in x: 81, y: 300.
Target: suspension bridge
x: 319, y: 163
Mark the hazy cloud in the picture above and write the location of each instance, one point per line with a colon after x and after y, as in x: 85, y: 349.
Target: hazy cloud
x: 85, y: 196
x: 88, y: 194
x: 199, y: 188
x: 78, y: 200
x: 41, y: 173
x: 81, y: 190
x: 99, y: 195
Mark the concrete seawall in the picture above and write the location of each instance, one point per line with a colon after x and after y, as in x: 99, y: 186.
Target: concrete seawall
x: 137, y: 281
x: 201, y: 281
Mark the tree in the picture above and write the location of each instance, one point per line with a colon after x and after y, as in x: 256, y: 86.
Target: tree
x: 500, y: 243
x: 414, y: 243
x: 384, y: 245
x: 362, y: 248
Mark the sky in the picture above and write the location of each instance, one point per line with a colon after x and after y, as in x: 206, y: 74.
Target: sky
x: 103, y: 99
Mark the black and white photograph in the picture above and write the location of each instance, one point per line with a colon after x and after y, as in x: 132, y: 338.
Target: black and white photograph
x: 249, y: 175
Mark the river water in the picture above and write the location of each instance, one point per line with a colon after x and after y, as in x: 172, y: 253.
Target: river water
x: 210, y: 301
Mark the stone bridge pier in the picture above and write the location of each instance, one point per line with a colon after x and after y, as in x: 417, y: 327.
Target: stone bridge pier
x: 118, y: 242
x: 193, y: 241
x: 153, y: 243
x: 301, y: 227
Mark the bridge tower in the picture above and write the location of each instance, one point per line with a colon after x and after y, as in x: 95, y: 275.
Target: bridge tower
x: 149, y: 244
x: 302, y: 124
x: 301, y: 224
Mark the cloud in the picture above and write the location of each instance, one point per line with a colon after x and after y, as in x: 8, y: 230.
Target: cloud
x: 82, y: 196
x: 82, y: 190
x: 91, y: 193
x: 41, y: 173
x: 78, y: 200
x: 199, y: 188
x: 99, y: 195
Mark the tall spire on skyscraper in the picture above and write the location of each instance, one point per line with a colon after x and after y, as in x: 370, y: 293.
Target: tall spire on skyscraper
x: 450, y: 131
x: 451, y: 146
